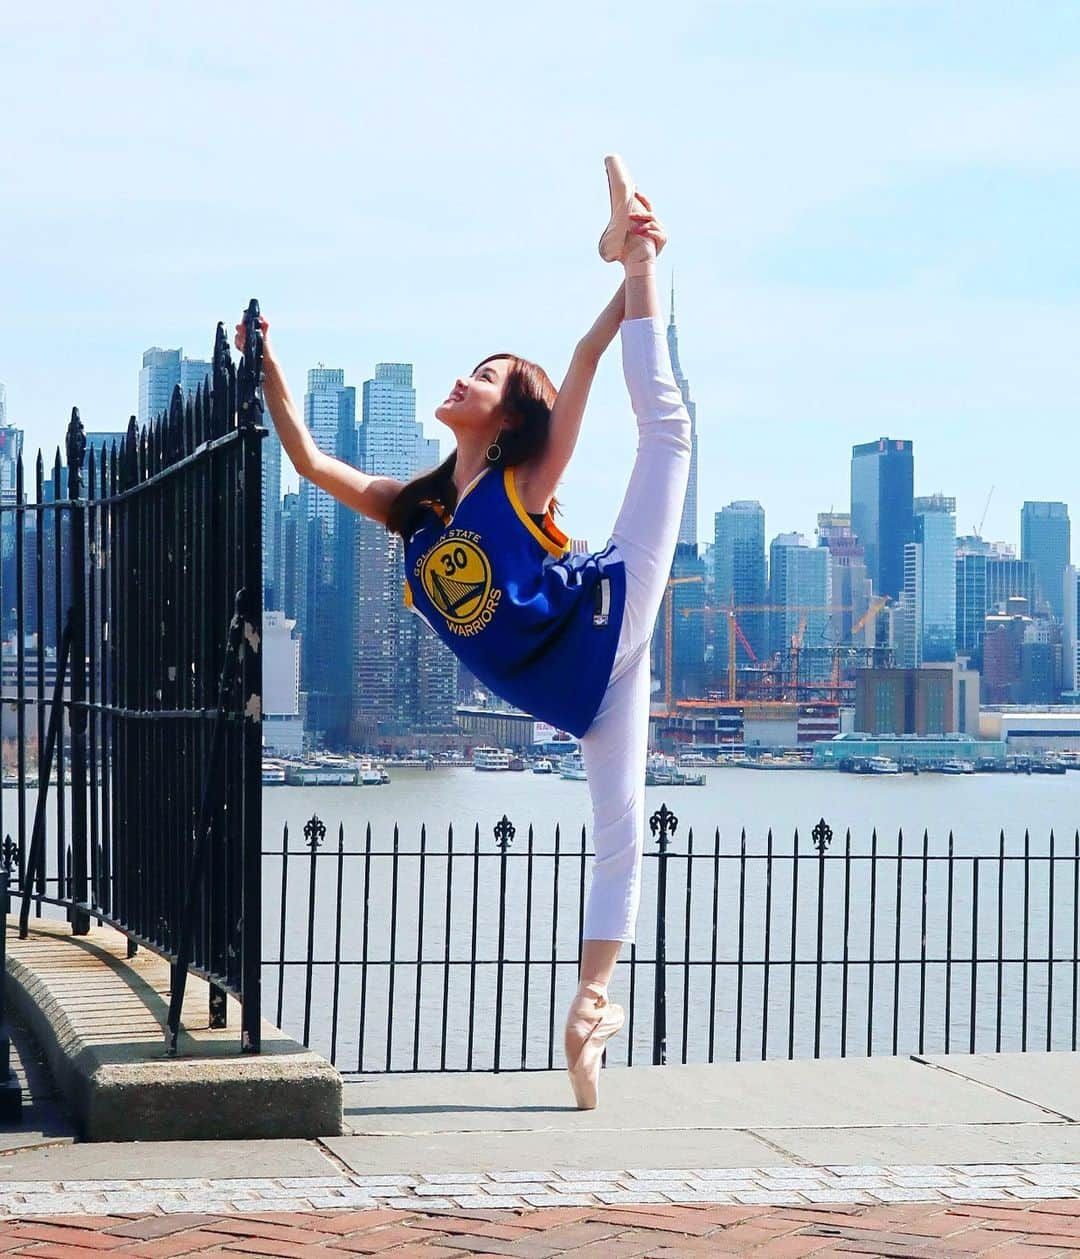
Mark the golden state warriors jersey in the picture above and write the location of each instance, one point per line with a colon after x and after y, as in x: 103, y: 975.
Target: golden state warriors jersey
x: 534, y: 622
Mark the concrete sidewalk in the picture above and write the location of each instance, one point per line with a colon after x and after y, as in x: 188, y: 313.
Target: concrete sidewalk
x: 986, y: 1127
x: 957, y: 1109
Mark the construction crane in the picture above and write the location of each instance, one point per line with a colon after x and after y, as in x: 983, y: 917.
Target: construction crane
x: 870, y: 614
x: 982, y: 519
x: 796, y: 649
x: 797, y: 640
x: 868, y: 617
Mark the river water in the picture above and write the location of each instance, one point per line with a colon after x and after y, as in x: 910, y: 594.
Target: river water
x: 405, y: 994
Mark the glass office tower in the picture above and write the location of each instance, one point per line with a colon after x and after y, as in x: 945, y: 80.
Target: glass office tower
x: 882, y: 490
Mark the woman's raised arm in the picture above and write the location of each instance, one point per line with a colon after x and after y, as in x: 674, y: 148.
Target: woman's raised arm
x: 371, y: 495
x: 538, y: 479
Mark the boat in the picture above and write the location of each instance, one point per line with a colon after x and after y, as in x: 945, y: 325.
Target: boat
x: 662, y: 771
x: 572, y: 766
x: 517, y: 764
x: 543, y: 766
x: 1048, y: 766
x: 320, y: 776
x: 882, y: 765
x: 698, y: 759
x: 273, y: 774
x: 957, y: 767
x: 490, y: 759
x: 371, y: 775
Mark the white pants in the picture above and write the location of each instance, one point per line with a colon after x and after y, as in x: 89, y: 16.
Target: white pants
x: 615, y: 745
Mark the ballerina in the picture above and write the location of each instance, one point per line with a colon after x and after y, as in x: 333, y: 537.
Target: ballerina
x: 562, y: 635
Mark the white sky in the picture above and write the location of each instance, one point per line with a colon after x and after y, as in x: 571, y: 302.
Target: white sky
x: 873, y: 208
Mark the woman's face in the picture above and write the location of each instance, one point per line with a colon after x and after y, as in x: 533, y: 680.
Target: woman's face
x: 473, y: 403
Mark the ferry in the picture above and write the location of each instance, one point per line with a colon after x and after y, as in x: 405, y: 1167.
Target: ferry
x: 490, y: 759
x: 370, y: 774
x: 273, y: 774
x: 572, y: 767
x: 882, y: 765
x: 517, y: 763
x: 661, y: 771
x: 543, y: 766
x: 957, y: 767
x: 320, y: 775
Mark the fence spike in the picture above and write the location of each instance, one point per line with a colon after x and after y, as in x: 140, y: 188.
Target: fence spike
x: 75, y: 444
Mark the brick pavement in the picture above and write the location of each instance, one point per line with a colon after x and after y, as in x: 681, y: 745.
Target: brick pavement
x: 1036, y: 1229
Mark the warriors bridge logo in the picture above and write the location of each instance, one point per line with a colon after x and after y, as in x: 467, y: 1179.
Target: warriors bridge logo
x: 456, y: 576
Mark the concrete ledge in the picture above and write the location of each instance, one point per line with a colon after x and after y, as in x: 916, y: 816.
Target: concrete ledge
x: 99, y: 1017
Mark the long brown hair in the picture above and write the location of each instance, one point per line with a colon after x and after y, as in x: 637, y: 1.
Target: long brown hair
x: 528, y: 396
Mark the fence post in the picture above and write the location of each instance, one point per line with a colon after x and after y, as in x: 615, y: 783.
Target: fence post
x: 822, y: 836
x: 249, y: 420
x: 662, y: 824
x: 76, y: 449
x: 10, y: 1092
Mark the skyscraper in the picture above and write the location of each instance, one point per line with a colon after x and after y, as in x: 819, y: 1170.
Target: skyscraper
x: 330, y: 416
x: 391, y: 440
x: 688, y: 525
x: 1009, y: 578
x: 290, y: 567
x: 687, y: 626
x: 929, y: 596
x: 739, y: 567
x: 194, y: 372
x: 1045, y: 541
x: 159, y: 376
x: 800, y: 591
x: 882, y: 490
x: 1070, y: 682
x: 101, y: 444
x: 850, y: 583
x: 971, y: 602
x: 326, y: 577
x: 162, y: 370
x: 400, y: 679
x: 11, y: 439
x: 273, y: 578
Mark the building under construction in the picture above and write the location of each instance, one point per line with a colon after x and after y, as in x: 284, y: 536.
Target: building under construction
x: 726, y: 726
x: 799, y: 672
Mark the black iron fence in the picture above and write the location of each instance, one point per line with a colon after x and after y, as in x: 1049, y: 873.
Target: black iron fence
x: 410, y: 955
x: 131, y: 594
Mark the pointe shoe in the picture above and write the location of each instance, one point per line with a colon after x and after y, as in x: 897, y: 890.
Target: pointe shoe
x: 603, y: 1020
x: 618, y: 243
x: 622, y: 193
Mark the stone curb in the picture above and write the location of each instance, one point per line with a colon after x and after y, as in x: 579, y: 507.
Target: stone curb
x: 99, y: 1019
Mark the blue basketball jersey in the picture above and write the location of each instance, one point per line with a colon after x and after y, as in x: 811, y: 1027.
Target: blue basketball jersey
x: 536, y: 623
